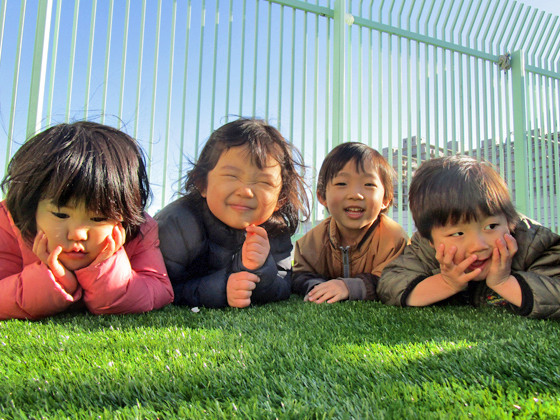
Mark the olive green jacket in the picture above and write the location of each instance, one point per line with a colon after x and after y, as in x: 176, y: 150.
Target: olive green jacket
x: 536, y: 266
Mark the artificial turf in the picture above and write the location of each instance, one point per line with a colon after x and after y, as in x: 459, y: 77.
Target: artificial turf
x: 286, y: 360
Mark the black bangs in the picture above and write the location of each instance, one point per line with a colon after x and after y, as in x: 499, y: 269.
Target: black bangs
x: 79, y: 163
x: 455, y: 190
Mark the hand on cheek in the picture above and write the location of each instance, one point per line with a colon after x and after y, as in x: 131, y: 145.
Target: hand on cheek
x: 502, y: 256
x: 240, y: 288
x: 113, y: 243
x: 455, y: 274
x: 255, y: 248
x: 65, y: 277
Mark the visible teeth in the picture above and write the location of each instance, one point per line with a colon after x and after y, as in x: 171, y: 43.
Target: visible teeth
x: 354, y: 209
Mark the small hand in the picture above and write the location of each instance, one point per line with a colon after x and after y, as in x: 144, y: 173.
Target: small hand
x: 64, y: 277
x: 502, y: 256
x: 255, y: 248
x: 454, y: 274
x: 330, y: 291
x: 113, y: 243
x: 240, y: 288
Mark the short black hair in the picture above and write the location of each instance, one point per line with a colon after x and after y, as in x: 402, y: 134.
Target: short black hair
x: 262, y: 141
x: 82, y: 162
x: 359, y: 153
x: 457, y: 189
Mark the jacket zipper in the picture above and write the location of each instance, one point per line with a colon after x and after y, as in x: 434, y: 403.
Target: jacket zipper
x: 345, y: 261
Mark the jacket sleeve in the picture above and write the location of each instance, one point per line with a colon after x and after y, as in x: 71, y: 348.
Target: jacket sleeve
x: 304, y: 278
x: 403, y: 274
x: 29, y: 292
x: 133, y: 280
x: 275, y: 274
x: 539, y: 277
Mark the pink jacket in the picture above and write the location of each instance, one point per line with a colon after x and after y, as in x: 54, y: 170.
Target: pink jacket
x: 133, y: 280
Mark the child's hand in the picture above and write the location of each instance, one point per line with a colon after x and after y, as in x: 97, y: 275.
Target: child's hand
x: 500, y: 270
x: 255, y: 248
x: 330, y: 291
x: 113, y: 243
x: 65, y: 277
x: 454, y: 274
x: 240, y: 287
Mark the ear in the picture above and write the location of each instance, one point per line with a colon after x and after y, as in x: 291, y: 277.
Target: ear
x: 202, y: 189
x: 322, y: 200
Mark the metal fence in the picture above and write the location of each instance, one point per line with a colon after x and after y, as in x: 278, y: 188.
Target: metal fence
x: 412, y: 78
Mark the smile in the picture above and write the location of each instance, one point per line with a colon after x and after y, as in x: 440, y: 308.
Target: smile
x: 478, y: 264
x: 240, y: 207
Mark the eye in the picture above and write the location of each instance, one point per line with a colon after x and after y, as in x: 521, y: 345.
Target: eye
x: 340, y: 184
x: 99, y: 219
x: 370, y: 184
x: 492, y: 226
x: 60, y: 215
x: 456, y: 234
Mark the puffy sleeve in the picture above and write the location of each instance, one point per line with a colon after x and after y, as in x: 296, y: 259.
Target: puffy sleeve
x: 27, y: 291
x: 132, y: 280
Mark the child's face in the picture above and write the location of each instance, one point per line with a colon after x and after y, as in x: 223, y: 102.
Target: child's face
x: 80, y: 233
x: 240, y: 194
x: 475, y: 237
x: 354, y: 199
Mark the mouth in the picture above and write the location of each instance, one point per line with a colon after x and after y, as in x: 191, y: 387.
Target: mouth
x: 480, y: 263
x: 354, y: 212
x: 240, y: 207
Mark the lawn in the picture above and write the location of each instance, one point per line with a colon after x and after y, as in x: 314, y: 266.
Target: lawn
x: 289, y: 359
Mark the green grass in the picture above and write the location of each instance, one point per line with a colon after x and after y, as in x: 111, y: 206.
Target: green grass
x: 291, y: 360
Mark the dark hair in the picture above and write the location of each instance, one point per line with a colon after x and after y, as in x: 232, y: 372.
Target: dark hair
x: 359, y: 153
x: 457, y: 189
x: 262, y: 141
x: 73, y: 163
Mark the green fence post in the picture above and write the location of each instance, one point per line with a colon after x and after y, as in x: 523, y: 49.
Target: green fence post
x: 519, y: 130
x: 39, y: 70
x: 339, y: 73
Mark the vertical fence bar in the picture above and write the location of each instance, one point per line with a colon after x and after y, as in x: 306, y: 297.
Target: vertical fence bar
x: 72, y: 59
x: 154, y: 91
x: 107, y: 55
x: 39, y: 69
x: 339, y: 77
x: 169, y: 97
x: 90, y: 56
x: 519, y: 129
x: 185, y: 79
x: 15, y: 83
x: 139, y: 71
x: 123, y: 63
x: 54, y: 55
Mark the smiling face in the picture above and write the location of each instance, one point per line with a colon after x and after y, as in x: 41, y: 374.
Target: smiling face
x: 239, y: 193
x: 475, y: 237
x: 354, y: 199
x: 79, y: 232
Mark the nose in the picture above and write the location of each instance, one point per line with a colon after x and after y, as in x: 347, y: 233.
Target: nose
x: 77, y: 233
x: 478, y: 243
x: 245, y: 191
x: 355, y: 193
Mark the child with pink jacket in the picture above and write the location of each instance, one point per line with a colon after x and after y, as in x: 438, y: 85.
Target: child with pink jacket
x: 73, y: 230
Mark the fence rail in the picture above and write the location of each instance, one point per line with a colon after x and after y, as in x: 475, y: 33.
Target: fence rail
x: 414, y: 79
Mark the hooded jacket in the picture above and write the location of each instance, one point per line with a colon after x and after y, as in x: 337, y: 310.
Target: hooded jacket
x: 536, y: 266
x: 319, y: 257
x: 200, y: 252
x: 132, y: 280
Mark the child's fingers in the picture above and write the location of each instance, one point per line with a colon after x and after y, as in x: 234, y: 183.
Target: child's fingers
x: 108, y: 250
x: 40, y: 246
x: 54, y: 264
x: 119, y: 236
x: 511, y: 244
x: 258, y: 231
x: 463, y: 265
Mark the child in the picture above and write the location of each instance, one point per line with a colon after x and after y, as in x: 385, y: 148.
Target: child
x: 73, y: 227
x: 342, y: 258
x: 227, y: 240
x: 472, y: 245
